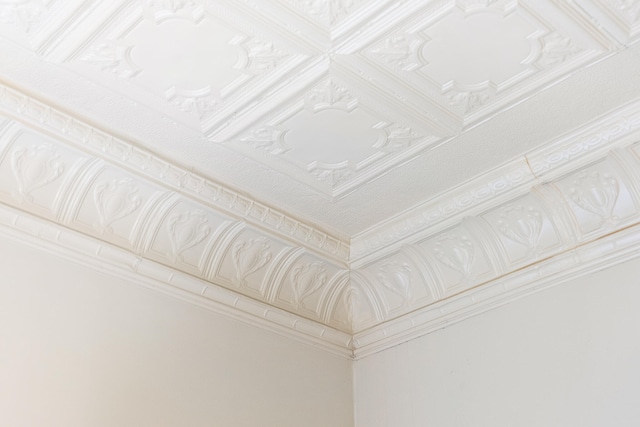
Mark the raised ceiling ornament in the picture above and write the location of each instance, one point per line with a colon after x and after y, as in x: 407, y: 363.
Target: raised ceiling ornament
x: 596, y: 193
x: 307, y: 278
x: 341, y: 103
x: 249, y: 256
x: 115, y: 200
x: 522, y: 224
x: 24, y: 14
x: 186, y: 230
x: 34, y: 168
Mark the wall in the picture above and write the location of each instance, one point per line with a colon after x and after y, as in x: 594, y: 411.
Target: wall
x: 81, y: 348
x: 567, y: 356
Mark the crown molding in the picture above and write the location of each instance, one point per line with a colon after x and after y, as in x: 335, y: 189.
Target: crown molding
x: 54, y: 239
x: 38, y: 115
x: 560, y: 156
x: 557, y: 270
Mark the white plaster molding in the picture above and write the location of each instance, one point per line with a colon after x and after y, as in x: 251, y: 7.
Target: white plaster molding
x: 559, y: 156
x: 143, y: 163
x: 57, y: 240
x: 574, y: 263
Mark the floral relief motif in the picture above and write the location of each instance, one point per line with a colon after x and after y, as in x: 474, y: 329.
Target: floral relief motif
x: 200, y: 103
x: 249, y: 257
x: 307, y: 279
x: 398, y: 138
x: 469, y: 101
x: 456, y: 252
x: 269, y: 139
x: 596, y: 193
x: 166, y: 9
x: 329, y: 94
x: 112, y: 56
x: 333, y: 177
x: 261, y: 56
x: 555, y: 50
x: 350, y: 300
x: 328, y: 12
x: 400, y: 51
x: 115, y: 200
x: 35, y: 167
x: 521, y: 224
x: 630, y: 9
x: 25, y: 14
x: 186, y: 230
x: 396, y: 277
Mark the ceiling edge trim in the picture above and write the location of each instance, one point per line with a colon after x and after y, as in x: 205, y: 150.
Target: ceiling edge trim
x: 82, y: 135
x: 557, y: 270
x: 557, y: 157
x: 51, y: 238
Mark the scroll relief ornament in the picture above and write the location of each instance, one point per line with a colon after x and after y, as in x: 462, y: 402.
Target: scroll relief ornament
x: 249, y: 257
x: 186, y: 230
x: 34, y: 168
x: 556, y: 49
x: 596, y: 193
x: 328, y: 12
x: 522, y: 225
x: 456, y: 252
x: 350, y: 299
x: 167, y: 9
x: 307, y: 279
x: 401, y: 51
x: 396, y: 277
x: 115, y: 200
x: 24, y: 14
x: 630, y: 9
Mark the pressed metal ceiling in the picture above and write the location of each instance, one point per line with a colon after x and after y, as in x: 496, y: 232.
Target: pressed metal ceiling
x: 346, y: 116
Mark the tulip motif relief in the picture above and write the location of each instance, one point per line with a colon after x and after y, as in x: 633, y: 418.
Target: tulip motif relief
x: 596, y: 193
x: 456, y: 252
x: 249, y: 257
x: 186, y: 230
x: 34, y: 168
x: 115, y: 200
x: 522, y: 225
x: 396, y: 277
x: 307, y: 279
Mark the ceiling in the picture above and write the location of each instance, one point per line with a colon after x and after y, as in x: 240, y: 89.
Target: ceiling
x: 337, y: 133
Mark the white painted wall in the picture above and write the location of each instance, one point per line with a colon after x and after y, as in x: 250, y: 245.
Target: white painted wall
x: 568, y: 356
x: 81, y: 348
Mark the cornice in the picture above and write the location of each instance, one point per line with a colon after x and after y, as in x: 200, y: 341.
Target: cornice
x: 217, y: 196
x: 557, y: 157
x: 559, y: 212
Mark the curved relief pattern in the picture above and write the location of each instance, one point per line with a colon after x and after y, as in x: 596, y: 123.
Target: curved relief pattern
x: 333, y: 177
x: 596, y: 193
x: 249, y: 257
x: 25, y: 14
x: 329, y: 94
x: 35, y: 167
x: 112, y: 56
x: 555, y: 50
x: 167, y: 9
x: 398, y: 138
x: 261, y: 56
x: 186, y: 230
x: 456, y: 252
x: 396, y: 277
x: 521, y: 224
x: 115, y: 200
x: 469, y: 101
x: 269, y: 139
x: 307, y: 279
x: 200, y: 103
x: 350, y: 301
x: 400, y: 51
x: 630, y: 9
x: 328, y: 12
